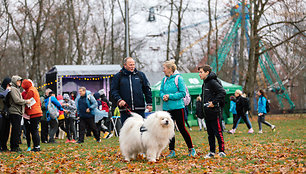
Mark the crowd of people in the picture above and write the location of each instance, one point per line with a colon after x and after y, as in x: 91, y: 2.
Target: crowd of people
x: 22, y: 111
x: 76, y: 113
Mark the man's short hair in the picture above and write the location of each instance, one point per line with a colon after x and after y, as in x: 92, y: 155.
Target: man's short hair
x: 126, y: 59
x: 205, y: 68
x: 48, y: 90
x: 82, y: 88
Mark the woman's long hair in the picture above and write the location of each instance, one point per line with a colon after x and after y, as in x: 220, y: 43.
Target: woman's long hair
x: 263, y: 93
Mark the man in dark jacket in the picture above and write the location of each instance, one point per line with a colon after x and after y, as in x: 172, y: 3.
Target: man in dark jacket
x: 213, y: 95
x: 130, y: 89
x: 4, y: 118
x: 86, y: 104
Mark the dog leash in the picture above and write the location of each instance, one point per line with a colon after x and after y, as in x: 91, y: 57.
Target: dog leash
x: 127, y: 109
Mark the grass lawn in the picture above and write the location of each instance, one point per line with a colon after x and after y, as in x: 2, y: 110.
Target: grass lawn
x: 282, y: 151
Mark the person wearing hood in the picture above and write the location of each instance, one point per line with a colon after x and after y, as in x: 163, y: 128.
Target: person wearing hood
x: 4, y: 118
x: 34, y: 111
x: 70, y: 111
x: 52, y: 122
x: 172, y: 95
x: 213, y: 96
x: 131, y: 90
x: 16, y: 109
x: 242, y: 107
x: 105, y: 123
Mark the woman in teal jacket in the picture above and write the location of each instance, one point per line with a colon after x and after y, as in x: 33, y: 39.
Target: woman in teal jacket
x: 172, y: 91
x: 262, y: 111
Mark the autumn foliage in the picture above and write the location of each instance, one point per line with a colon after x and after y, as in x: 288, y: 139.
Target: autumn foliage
x: 282, y: 151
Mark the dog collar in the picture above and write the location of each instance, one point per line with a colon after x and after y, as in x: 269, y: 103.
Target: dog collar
x: 143, y: 129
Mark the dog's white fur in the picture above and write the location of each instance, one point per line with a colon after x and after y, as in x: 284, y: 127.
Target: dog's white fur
x: 159, y: 130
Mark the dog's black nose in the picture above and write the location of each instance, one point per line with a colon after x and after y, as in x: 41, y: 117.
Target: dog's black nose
x: 167, y: 122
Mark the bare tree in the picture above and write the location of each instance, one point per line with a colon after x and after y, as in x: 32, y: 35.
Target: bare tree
x: 180, y: 14
x: 257, y: 12
x: 209, y: 31
x: 169, y: 28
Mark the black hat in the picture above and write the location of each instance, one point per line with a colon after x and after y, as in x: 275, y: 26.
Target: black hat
x: 5, y: 82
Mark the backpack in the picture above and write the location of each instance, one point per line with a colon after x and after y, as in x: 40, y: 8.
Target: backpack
x: 3, y: 107
x: 267, y: 105
x: 187, y: 97
x: 247, y: 106
x: 52, y: 110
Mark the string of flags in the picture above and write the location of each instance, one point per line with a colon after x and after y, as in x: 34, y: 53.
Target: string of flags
x: 83, y: 78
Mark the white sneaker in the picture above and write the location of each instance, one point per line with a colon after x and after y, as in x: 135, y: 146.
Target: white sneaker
x: 209, y: 155
x: 260, y: 132
x: 109, y: 136
x: 222, y: 154
x: 232, y: 131
x: 251, y: 131
x: 273, y: 128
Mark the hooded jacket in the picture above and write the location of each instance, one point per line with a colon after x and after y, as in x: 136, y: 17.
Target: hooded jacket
x: 90, y: 102
x: 233, y: 107
x: 132, y: 87
x: 262, y: 102
x: 35, y: 110
x: 176, y: 93
x: 212, y: 91
x: 16, y: 102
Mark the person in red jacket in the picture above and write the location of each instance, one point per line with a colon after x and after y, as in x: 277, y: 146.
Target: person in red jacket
x: 33, y: 110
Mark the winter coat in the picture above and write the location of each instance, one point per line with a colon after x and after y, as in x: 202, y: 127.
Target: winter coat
x: 212, y: 91
x: 241, y: 105
x: 176, y: 94
x: 132, y: 87
x: 198, y: 108
x: 233, y: 107
x: 55, y: 102
x: 35, y: 110
x: 15, y: 100
x: 43, y: 109
x: 71, y: 108
x: 91, y: 104
x: 262, y: 102
x: 61, y: 113
x: 3, y: 100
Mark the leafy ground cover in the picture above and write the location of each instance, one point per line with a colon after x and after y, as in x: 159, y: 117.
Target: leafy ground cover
x: 282, y: 151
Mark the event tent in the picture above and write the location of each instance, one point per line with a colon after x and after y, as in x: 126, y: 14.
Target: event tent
x: 67, y: 78
x: 194, y: 85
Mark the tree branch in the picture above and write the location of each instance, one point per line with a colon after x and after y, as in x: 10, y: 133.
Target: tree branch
x: 284, y: 41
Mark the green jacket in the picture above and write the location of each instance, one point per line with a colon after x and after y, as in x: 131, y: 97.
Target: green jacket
x: 176, y: 94
x: 16, y: 102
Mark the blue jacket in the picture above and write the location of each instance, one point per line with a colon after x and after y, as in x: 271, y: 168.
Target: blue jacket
x: 176, y: 94
x: 233, y: 107
x: 132, y: 87
x: 55, y: 102
x: 262, y: 104
x: 91, y: 104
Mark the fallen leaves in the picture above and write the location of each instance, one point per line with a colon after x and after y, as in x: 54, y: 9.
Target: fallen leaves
x: 271, y: 152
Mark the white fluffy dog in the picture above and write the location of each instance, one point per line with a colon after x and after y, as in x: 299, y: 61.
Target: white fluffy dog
x: 149, y: 136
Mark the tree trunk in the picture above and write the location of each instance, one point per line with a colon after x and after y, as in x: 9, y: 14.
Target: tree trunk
x: 209, y: 32
x: 241, y: 49
x: 217, y: 40
x: 169, y: 28
x: 179, y: 33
